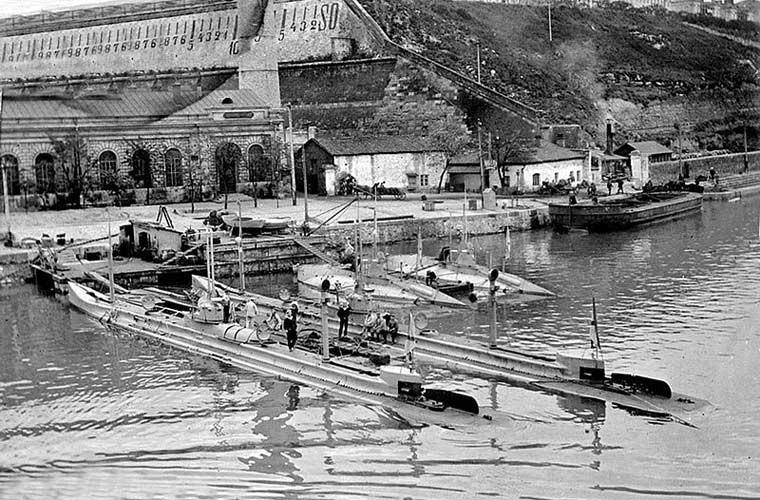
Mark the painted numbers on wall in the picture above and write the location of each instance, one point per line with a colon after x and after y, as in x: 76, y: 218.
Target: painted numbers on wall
x: 322, y: 17
x: 187, y: 34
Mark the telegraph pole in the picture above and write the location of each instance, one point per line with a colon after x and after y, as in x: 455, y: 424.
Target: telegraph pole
x: 3, y: 167
x: 292, y: 156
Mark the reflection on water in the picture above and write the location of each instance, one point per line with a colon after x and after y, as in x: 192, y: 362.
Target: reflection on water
x: 85, y: 413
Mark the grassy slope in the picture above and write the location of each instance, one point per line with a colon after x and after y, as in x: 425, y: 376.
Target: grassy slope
x: 596, y: 53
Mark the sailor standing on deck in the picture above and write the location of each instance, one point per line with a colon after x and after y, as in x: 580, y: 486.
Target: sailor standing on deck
x: 251, y: 311
x: 291, y: 325
x: 344, y: 311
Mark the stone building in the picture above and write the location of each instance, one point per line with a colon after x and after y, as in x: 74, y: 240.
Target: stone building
x: 158, y: 146
x: 405, y: 162
x: 547, y: 162
x: 181, y: 98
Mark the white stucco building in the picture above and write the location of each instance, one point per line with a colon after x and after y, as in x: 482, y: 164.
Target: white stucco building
x: 548, y: 162
x: 403, y: 162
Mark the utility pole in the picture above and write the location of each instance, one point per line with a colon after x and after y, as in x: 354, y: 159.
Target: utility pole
x: 3, y: 167
x: 677, y: 126
x: 551, y: 39
x: 746, y: 160
x: 292, y: 155
x: 480, y: 142
x: 305, y: 187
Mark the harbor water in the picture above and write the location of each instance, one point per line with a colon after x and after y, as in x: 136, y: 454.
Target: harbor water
x: 85, y: 413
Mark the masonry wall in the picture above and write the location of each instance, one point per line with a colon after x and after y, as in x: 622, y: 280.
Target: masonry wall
x: 523, y: 175
x: 393, y: 168
x: 723, y: 164
x: 301, y: 29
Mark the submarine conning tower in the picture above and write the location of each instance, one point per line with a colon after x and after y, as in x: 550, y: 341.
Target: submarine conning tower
x: 577, y: 366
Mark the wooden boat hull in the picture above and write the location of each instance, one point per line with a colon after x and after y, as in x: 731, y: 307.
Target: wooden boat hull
x: 624, y: 213
x: 249, y: 225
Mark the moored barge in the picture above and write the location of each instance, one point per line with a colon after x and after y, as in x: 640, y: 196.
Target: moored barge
x: 618, y: 213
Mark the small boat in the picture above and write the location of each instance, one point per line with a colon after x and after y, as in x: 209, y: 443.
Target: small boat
x: 445, y: 271
x: 378, y: 291
x: 202, y: 331
x: 622, y: 213
x: 276, y: 224
x: 249, y: 225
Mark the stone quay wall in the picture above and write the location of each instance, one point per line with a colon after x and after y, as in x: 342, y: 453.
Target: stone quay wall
x: 441, y: 227
x: 724, y: 165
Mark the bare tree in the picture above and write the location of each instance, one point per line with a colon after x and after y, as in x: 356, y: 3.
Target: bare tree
x: 511, y: 147
x: 71, y: 154
x: 450, y: 136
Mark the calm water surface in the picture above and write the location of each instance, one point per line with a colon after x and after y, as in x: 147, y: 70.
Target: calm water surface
x: 86, y: 414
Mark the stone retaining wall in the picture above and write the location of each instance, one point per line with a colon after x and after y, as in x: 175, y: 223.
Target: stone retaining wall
x: 724, y: 165
x: 441, y: 227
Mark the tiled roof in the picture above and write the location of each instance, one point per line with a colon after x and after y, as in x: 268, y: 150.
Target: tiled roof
x: 465, y: 159
x: 548, y: 152
x: 375, y: 145
x: 647, y: 148
x: 131, y: 104
x: 239, y: 99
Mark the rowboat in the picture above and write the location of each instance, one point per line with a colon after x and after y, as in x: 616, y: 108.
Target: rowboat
x: 249, y: 225
x: 622, y: 213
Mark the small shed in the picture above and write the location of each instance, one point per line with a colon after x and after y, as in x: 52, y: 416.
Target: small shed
x: 464, y: 173
x: 650, y: 151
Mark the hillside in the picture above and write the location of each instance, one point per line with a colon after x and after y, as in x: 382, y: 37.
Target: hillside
x: 611, y: 54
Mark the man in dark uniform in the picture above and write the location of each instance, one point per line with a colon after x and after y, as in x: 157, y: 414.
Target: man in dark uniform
x: 291, y: 325
x: 344, y: 311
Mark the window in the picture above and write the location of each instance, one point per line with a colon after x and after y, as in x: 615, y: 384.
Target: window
x: 536, y: 179
x: 227, y: 100
x: 11, y: 165
x: 578, y: 175
x: 107, y: 168
x: 173, y: 168
x: 424, y: 180
x: 44, y: 173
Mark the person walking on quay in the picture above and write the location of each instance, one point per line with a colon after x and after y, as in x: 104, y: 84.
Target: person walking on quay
x: 291, y: 325
x: 344, y: 311
x: 620, y: 186
x: 609, y: 187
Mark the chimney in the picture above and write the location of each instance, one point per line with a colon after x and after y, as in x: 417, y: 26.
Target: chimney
x: 311, y: 132
x: 610, y: 138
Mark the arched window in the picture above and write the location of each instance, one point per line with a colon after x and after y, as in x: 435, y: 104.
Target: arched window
x: 107, y: 168
x: 536, y: 179
x: 141, y: 169
x: 258, y: 164
x: 44, y: 173
x: 10, y: 163
x: 173, y: 167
